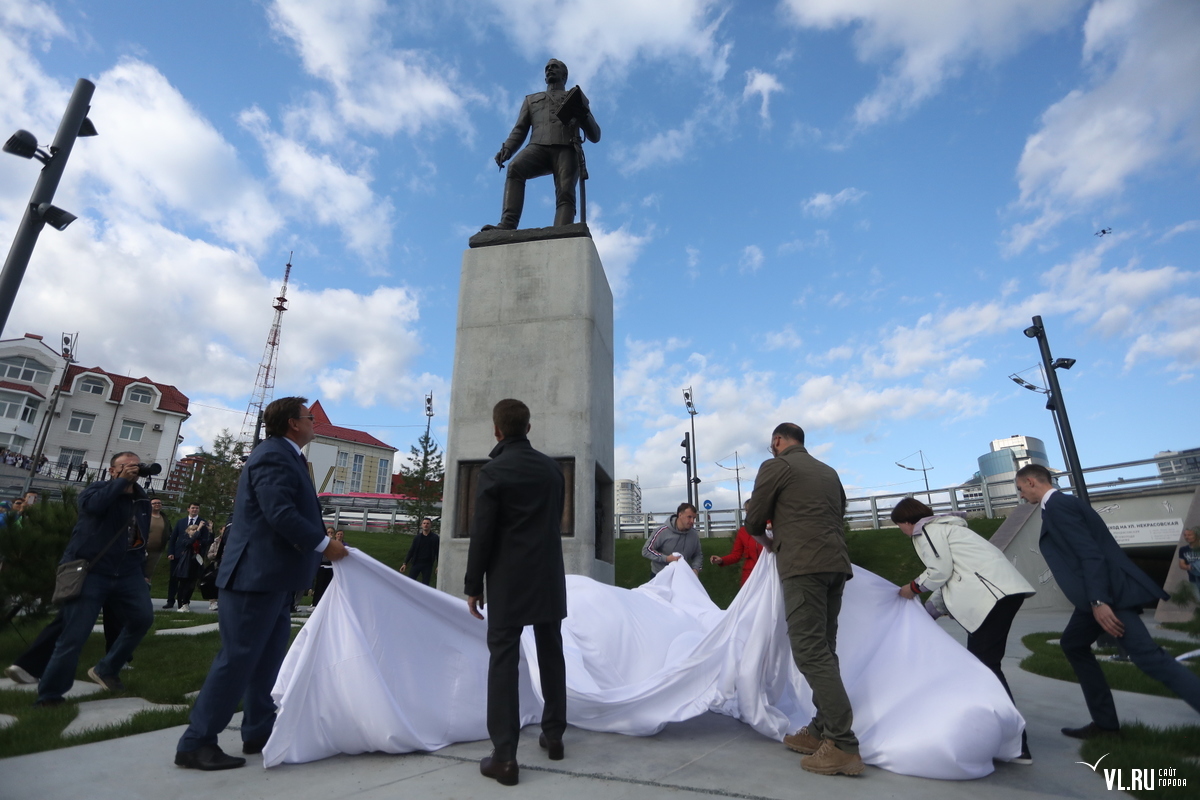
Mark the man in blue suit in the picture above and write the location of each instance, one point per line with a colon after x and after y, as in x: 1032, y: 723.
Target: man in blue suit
x: 1108, y: 592
x: 272, y: 551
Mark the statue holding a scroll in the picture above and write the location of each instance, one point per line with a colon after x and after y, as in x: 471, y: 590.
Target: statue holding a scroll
x: 559, y: 120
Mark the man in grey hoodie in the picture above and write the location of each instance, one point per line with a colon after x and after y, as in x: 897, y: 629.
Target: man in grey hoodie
x: 677, y: 539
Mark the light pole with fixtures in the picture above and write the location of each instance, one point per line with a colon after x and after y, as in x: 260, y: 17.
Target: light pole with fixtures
x: 924, y: 470
x: 40, y: 210
x: 693, y: 495
x: 1038, y: 331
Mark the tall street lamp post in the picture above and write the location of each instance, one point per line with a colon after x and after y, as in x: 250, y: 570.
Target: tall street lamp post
x: 40, y: 210
x: 1038, y: 331
x: 693, y: 493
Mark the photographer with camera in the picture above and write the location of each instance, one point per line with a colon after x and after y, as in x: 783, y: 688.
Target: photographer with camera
x: 110, y: 536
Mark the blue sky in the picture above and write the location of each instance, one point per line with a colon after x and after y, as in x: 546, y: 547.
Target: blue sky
x: 840, y: 214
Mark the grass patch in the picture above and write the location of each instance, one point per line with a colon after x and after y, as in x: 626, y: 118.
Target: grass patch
x: 1191, y: 627
x: 1143, y: 747
x: 164, y: 670
x: 1048, y: 660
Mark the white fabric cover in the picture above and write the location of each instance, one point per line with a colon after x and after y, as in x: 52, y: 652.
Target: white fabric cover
x: 388, y: 664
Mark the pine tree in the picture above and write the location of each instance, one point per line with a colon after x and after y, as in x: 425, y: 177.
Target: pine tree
x: 213, y: 484
x: 421, y: 479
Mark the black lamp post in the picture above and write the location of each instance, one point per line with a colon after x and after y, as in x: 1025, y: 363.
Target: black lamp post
x: 1058, y: 406
x: 40, y: 210
x: 693, y: 496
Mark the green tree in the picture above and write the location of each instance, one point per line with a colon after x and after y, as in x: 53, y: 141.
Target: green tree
x: 30, y: 549
x: 421, y: 478
x: 213, y: 484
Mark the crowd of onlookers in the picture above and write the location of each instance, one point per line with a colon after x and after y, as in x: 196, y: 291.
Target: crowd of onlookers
x: 67, y: 472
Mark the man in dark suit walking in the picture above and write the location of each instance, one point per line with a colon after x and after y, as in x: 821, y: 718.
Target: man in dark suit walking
x: 516, y: 544
x: 272, y: 552
x: 180, y: 529
x: 1108, y: 592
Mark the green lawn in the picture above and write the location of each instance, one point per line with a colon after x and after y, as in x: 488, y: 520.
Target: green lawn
x: 1172, y: 750
x: 1048, y: 660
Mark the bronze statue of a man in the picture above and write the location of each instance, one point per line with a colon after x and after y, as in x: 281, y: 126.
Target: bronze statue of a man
x: 553, y: 149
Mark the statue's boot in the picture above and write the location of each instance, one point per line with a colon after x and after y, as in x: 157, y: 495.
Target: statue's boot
x: 514, y: 201
x: 564, y: 214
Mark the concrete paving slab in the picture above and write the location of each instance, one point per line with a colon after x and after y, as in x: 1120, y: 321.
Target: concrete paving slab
x: 194, y: 630
x: 709, y: 756
x: 106, y: 713
x: 78, y: 689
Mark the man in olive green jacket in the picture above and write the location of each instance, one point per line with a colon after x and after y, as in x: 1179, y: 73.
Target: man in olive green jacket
x: 806, y: 503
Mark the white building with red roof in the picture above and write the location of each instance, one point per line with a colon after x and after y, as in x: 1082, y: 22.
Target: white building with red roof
x: 345, y: 460
x: 98, y: 413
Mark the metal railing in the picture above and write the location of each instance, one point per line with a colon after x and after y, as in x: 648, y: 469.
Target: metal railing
x: 990, y: 498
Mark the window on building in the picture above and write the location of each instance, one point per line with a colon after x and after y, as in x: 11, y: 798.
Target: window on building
x: 81, y: 422
x: 141, y: 394
x: 19, y: 368
x: 13, y: 443
x: 383, y: 477
x: 14, y: 406
x: 339, y: 487
x: 92, y: 386
x: 356, y: 473
x: 343, y: 459
x: 131, y: 431
x: 70, y: 457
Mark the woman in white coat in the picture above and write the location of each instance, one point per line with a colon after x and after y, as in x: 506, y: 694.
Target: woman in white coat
x: 970, y: 579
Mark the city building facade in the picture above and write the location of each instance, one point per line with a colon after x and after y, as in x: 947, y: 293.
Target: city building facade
x: 97, y: 413
x: 628, y: 496
x: 1178, y: 466
x: 345, y: 461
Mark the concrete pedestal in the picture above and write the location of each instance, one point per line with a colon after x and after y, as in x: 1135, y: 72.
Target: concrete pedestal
x: 535, y: 323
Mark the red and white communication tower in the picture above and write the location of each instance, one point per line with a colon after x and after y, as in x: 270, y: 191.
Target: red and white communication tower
x: 264, y: 384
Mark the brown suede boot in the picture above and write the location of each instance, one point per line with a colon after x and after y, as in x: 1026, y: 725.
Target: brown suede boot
x: 829, y: 760
x: 802, y: 742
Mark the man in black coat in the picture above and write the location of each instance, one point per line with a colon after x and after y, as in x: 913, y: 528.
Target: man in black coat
x: 1108, y: 592
x: 192, y: 518
x: 516, y: 544
x: 422, y: 553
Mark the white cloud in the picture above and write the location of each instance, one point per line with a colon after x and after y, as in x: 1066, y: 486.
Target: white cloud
x: 1141, y: 110
x: 618, y: 250
x: 665, y: 147
x: 763, y: 84
x: 1112, y: 302
x: 325, y: 190
x: 1183, y: 227
x: 751, y: 260
x: 151, y: 296
x: 927, y: 42
x: 376, y: 86
x: 142, y: 166
x: 593, y: 38
x: 784, y: 339
x: 823, y: 204
x: 738, y: 409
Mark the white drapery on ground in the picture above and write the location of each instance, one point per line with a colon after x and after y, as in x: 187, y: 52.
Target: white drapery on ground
x: 387, y: 664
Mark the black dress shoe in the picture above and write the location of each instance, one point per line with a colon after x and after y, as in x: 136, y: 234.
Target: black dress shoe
x: 1089, y: 731
x: 504, y: 772
x: 207, y: 757
x: 554, y: 747
x: 253, y: 747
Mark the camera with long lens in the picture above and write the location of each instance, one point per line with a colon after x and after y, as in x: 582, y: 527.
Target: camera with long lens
x: 146, y: 470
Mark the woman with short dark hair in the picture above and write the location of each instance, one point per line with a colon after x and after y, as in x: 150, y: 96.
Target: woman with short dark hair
x: 970, y: 579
